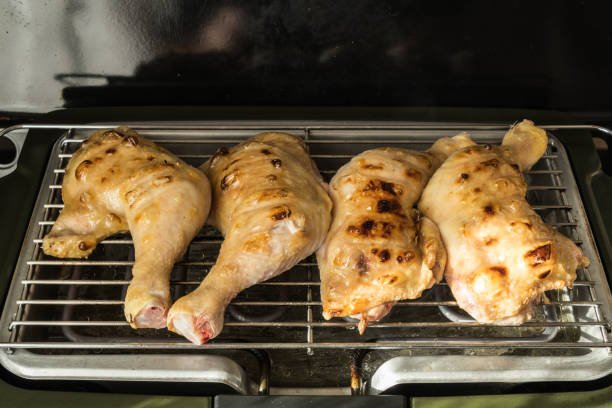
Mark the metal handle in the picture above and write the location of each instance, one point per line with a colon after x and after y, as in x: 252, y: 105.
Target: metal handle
x: 16, y: 137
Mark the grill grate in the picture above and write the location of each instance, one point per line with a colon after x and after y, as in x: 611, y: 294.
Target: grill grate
x: 77, y: 304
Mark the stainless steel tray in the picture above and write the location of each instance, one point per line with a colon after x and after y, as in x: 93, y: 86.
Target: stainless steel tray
x: 63, y: 318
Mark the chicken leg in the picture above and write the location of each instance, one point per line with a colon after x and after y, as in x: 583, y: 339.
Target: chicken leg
x: 377, y: 252
x: 501, y: 255
x: 119, y: 181
x: 270, y: 203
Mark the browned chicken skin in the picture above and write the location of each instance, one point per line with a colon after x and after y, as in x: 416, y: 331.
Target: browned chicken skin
x: 119, y: 181
x: 501, y: 255
x: 376, y: 252
x: 270, y: 203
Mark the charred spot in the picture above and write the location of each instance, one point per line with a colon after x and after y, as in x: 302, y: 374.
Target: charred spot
x: 281, y: 213
x: 465, y: 176
x: 407, y: 257
x: 499, y: 269
x: 362, y: 264
x: 271, y: 177
x: 490, y: 241
x: 83, y: 246
x: 387, y: 229
x: 490, y: 163
x: 392, y: 280
x: 388, y: 187
x: 103, y: 180
x: 515, y: 166
x: 150, y: 158
x: 477, y: 190
x: 488, y: 209
x: 131, y: 140
x: 367, y: 226
x: 266, y: 151
x: 544, y: 275
x: 384, y: 255
x: 82, y: 168
x: 276, y: 163
x: 379, y: 185
x: 374, y: 251
x: 385, y: 206
x: 110, y: 151
x: 540, y: 255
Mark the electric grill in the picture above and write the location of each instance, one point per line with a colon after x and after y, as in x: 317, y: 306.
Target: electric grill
x: 63, y: 318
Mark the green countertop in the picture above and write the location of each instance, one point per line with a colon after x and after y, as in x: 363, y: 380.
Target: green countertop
x: 588, y: 399
x: 14, y: 397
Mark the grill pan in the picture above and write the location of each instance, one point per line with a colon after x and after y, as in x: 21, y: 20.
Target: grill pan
x: 63, y: 318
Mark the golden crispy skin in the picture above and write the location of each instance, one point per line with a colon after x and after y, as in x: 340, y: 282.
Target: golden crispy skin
x: 271, y: 205
x: 376, y: 253
x: 119, y: 181
x: 501, y: 255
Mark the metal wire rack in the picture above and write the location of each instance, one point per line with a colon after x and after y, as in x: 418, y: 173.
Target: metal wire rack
x: 57, y: 304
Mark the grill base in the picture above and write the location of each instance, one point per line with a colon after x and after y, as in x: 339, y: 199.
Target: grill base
x: 64, y: 317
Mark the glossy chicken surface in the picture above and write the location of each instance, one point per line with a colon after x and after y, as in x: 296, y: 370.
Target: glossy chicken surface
x: 501, y: 256
x: 119, y: 181
x: 271, y: 205
x: 377, y: 252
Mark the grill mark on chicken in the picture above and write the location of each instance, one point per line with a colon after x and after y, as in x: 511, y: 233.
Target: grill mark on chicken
x: 379, y: 185
x: 540, y: 255
x: 407, y: 257
x: 384, y: 255
x: 388, y: 206
x: 499, y: 269
x: 544, y: 275
x: 280, y: 213
x: 362, y: 264
x: 371, y: 228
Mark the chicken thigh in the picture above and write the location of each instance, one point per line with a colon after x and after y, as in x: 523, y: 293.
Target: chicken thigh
x: 271, y: 205
x: 119, y: 181
x: 377, y: 252
x: 501, y: 256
